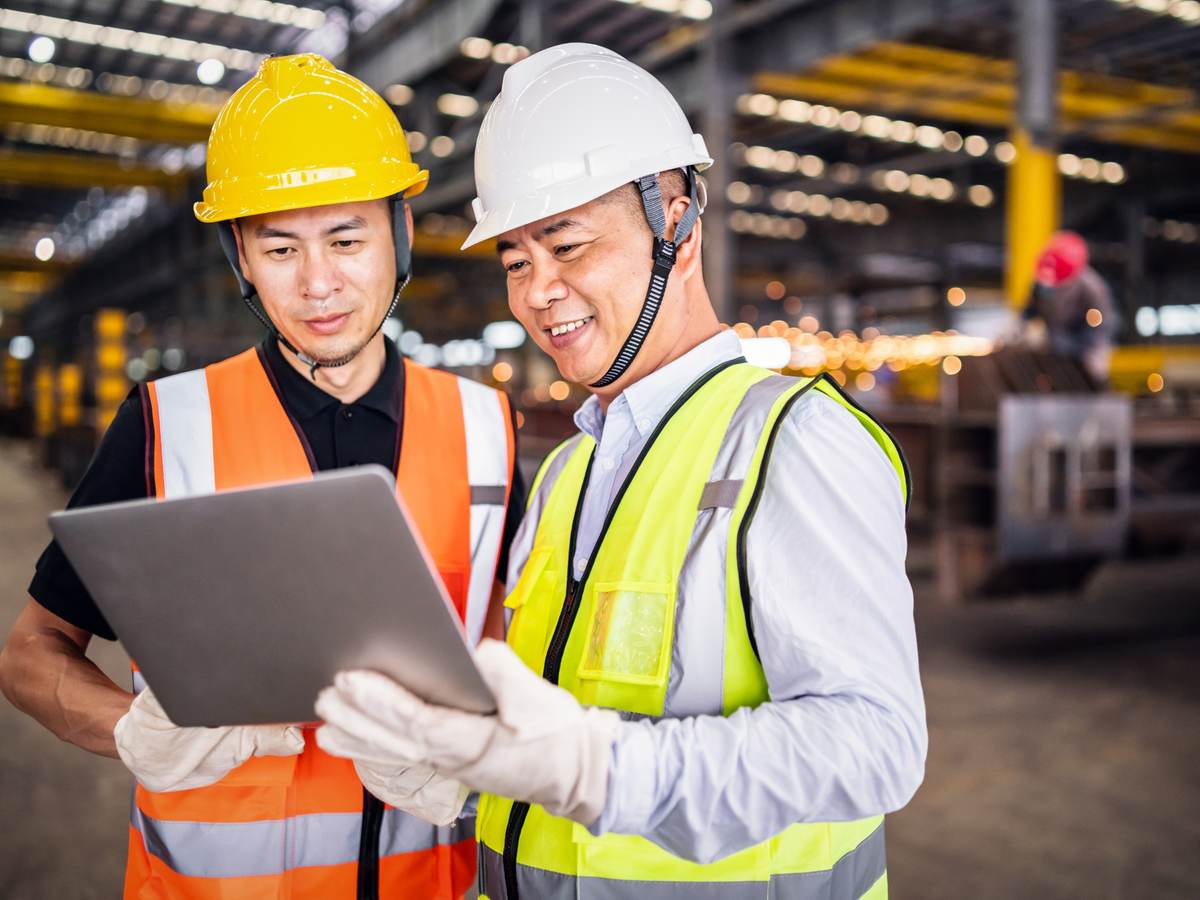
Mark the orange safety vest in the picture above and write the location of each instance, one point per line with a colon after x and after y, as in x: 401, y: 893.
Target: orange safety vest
x: 290, y: 827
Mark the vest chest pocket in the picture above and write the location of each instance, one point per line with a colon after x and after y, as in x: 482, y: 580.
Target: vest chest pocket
x: 534, y: 602
x: 629, y: 633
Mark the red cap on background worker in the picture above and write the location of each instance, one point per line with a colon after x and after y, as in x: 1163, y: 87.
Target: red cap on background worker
x: 1063, y: 258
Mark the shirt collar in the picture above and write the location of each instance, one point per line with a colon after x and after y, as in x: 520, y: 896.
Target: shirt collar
x: 649, y: 398
x: 306, y: 400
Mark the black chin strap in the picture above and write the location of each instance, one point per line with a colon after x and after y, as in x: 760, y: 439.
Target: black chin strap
x: 664, y: 261
x: 249, y: 293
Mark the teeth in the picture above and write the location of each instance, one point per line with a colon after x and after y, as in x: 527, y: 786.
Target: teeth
x: 568, y: 327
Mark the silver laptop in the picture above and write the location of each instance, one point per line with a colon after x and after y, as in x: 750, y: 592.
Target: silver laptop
x: 240, y: 606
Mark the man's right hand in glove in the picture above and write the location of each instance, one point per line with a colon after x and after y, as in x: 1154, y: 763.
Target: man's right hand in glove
x: 165, y: 757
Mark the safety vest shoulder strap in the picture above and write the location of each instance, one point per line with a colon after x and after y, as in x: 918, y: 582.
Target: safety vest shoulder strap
x: 223, y: 427
x: 452, y: 425
x: 552, y: 465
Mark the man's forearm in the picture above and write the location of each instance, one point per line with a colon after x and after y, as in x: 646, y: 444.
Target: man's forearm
x: 48, y: 676
x: 708, y: 786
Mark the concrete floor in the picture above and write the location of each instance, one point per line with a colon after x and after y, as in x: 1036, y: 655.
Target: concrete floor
x: 1064, y: 745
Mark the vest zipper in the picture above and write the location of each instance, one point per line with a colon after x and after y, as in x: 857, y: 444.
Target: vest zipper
x: 520, y: 811
x: 570, y: 609
x: 368, y: 847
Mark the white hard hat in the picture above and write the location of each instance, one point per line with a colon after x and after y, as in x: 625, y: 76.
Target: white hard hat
x: 572, y: 123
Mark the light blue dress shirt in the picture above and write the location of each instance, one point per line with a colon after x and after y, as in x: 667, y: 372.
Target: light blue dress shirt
x: 843, y: 735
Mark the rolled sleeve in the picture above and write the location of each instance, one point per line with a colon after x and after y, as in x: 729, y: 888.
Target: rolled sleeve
x: 843, y: 735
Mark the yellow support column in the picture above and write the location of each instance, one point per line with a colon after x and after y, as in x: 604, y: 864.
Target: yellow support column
x: 12, y: 382
x: 43, y: 401
x: 111, y: 357
x: 70, y: 395
x: 1032, y: 212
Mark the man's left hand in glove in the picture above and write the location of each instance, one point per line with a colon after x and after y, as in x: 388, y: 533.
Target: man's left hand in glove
x: 541, y: 747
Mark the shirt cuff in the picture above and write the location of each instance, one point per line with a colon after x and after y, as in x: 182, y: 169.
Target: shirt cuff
x: 470, y: 807
x: 632, y: 782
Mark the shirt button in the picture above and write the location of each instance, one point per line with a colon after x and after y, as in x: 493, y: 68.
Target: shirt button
x: 347, y: 414
x: 607, y: 464
x: 580, y: 565
x: 643, y: 424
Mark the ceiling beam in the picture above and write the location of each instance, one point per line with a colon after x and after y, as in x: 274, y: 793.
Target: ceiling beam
x: 964, y: 87
x: 74, y: 171
x: 151, y: 120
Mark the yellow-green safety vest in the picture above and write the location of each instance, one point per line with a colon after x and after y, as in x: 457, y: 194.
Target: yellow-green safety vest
x: 673, y: 541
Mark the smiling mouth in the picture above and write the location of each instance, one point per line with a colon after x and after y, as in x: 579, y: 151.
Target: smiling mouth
x: 568, y: 327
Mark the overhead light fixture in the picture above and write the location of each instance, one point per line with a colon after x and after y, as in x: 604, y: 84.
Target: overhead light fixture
x: 398, y: 94
x: 476, y: 47
x: 125, y: 39
x: 260, y: 11
x: 21, y: 347
x: 41, y: 49
x: 506, y: 335
x: 210, y: 72
x: 461, y: 105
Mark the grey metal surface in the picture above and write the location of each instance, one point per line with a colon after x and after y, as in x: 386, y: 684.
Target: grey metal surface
x: 1064, y: 475
x: 239, y: 607
x: 1035, y: 50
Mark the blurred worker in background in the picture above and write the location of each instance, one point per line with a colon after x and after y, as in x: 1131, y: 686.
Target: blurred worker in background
x: 710, y: 683
x: 309, y: 178
x: 1074, y: 305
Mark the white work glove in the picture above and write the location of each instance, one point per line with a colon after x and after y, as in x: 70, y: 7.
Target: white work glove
x: 417, y: 789
x: 165, y: 757
x: 542, y: 746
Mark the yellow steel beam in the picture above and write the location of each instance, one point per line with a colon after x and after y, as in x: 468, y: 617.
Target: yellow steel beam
x: 884, y: 98
x: 24, y: 264
x: 151, y: 120
x: 73, y: 170
x: 19, y: 288
x: 967, y: 88
x: 428, y: 243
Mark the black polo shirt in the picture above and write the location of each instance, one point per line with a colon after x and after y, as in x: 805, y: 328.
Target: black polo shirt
x: 340, y: 435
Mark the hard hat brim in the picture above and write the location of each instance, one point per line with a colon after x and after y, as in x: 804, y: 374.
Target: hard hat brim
x: 559, y: 198
x: 236, y: 198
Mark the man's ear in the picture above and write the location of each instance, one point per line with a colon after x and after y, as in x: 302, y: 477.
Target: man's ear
x: 687, y: 254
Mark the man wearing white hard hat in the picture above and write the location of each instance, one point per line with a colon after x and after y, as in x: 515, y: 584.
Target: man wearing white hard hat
x: 709, y: 686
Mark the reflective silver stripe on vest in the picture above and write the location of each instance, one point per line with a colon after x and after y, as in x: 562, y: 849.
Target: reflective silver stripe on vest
x: 522, y: 546
x: 696, y: 687
x: 850, y: 878
x: 273, y: 846
x: 185, y: 434
x: 402, y: 833
x: 487, y: 472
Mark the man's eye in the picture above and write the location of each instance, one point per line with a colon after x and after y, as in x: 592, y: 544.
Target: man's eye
x: 516, y: 266
x: 346, y: 244
x: 279, y: 252
x: 562, y: 249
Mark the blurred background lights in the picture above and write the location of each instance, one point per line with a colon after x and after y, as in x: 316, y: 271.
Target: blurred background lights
x: 21, y: 347
x: 504, y: 335
x: 210, y: 71
x: 41, y: 49
x: 44, y: 249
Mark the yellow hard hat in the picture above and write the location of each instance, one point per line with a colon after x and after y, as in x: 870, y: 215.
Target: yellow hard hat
x: 304, y: 133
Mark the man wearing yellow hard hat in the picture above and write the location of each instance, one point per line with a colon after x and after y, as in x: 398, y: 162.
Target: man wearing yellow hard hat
x: 710, y: 685
x: 309, y: 176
